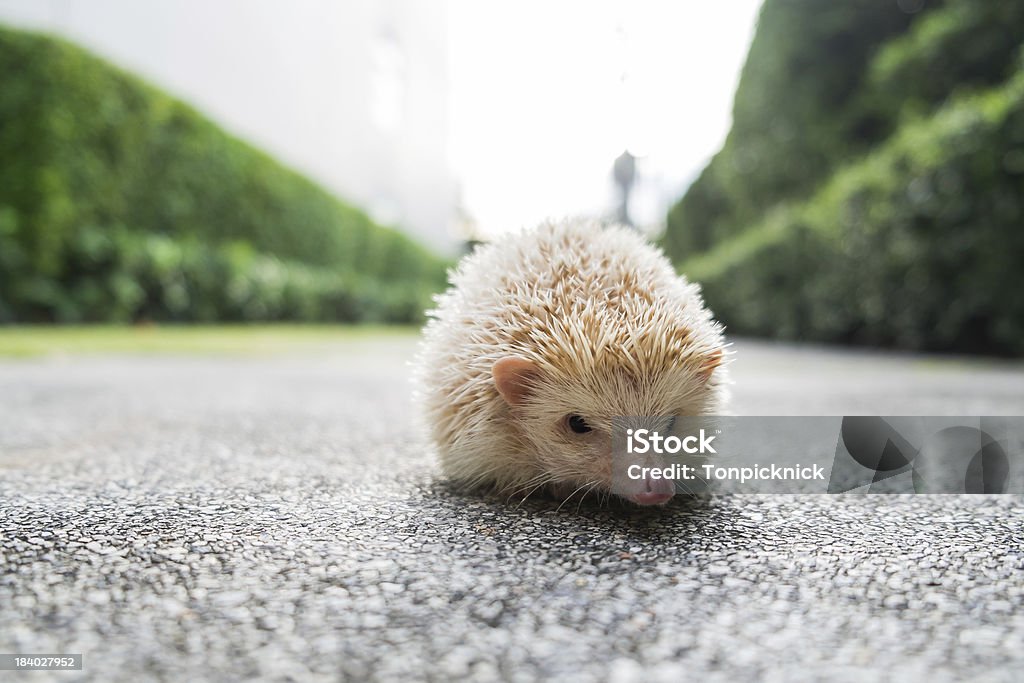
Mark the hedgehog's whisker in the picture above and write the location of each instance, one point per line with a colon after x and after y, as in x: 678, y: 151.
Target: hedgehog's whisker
x: 586, y: 493
x: 569, y: 497
x: 523, y: 485
x: 542, y: 480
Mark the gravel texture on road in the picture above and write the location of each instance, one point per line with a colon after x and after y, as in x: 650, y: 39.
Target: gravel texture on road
x: 197, y: 518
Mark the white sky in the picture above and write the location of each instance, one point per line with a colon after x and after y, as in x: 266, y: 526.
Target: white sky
x: 545, y: 95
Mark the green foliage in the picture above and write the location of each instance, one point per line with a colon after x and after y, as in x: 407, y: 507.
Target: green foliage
x: 118, y: 202
x: 117, y: 275
x: 917, y: 245
x: 871, y: 188
x: 796, y: 115
x: 963, y: 46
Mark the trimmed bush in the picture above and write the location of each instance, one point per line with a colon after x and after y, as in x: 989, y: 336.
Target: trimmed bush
x: 116, y: 275
x: 918, y: 245
x: 119, y: 202
x: 963, y: 46
x: 870, y: 190
x: 799, y: 112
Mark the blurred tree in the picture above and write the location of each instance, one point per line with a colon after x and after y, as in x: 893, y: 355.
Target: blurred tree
x: 796, y: 115
x: 119, y: 202
x: 831, y: 92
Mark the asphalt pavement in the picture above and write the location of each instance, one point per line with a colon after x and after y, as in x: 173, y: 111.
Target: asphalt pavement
x: 190, y: 518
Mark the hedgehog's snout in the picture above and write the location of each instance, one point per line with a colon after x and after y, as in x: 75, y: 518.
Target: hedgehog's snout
x: 647, y: 490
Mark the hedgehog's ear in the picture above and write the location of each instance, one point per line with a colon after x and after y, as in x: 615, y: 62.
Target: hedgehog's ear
x: 708, y: 365
x: 514, y: 378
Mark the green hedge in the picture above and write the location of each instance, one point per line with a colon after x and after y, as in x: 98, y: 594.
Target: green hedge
x: 965, y: 45
x: 919, y: 245
x: 116, y: 275
x: 870, y: 190
x: 798, y: 114
x: 85, y: 146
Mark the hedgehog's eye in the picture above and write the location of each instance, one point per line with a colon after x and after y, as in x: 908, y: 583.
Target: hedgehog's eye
x: 578, y: 424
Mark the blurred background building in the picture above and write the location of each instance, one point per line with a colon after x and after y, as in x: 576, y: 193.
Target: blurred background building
x: 354, y: 94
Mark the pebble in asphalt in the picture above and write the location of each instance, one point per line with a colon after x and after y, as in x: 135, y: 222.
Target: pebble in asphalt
x: 190, y: 518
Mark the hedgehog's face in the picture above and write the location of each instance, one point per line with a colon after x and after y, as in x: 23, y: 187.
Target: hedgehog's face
x: 567, y: 421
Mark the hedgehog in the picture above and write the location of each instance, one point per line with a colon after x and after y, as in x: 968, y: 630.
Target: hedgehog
x: 542, y: 339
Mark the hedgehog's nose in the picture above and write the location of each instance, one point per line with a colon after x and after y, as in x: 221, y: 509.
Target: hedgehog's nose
x: 654, y: 492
